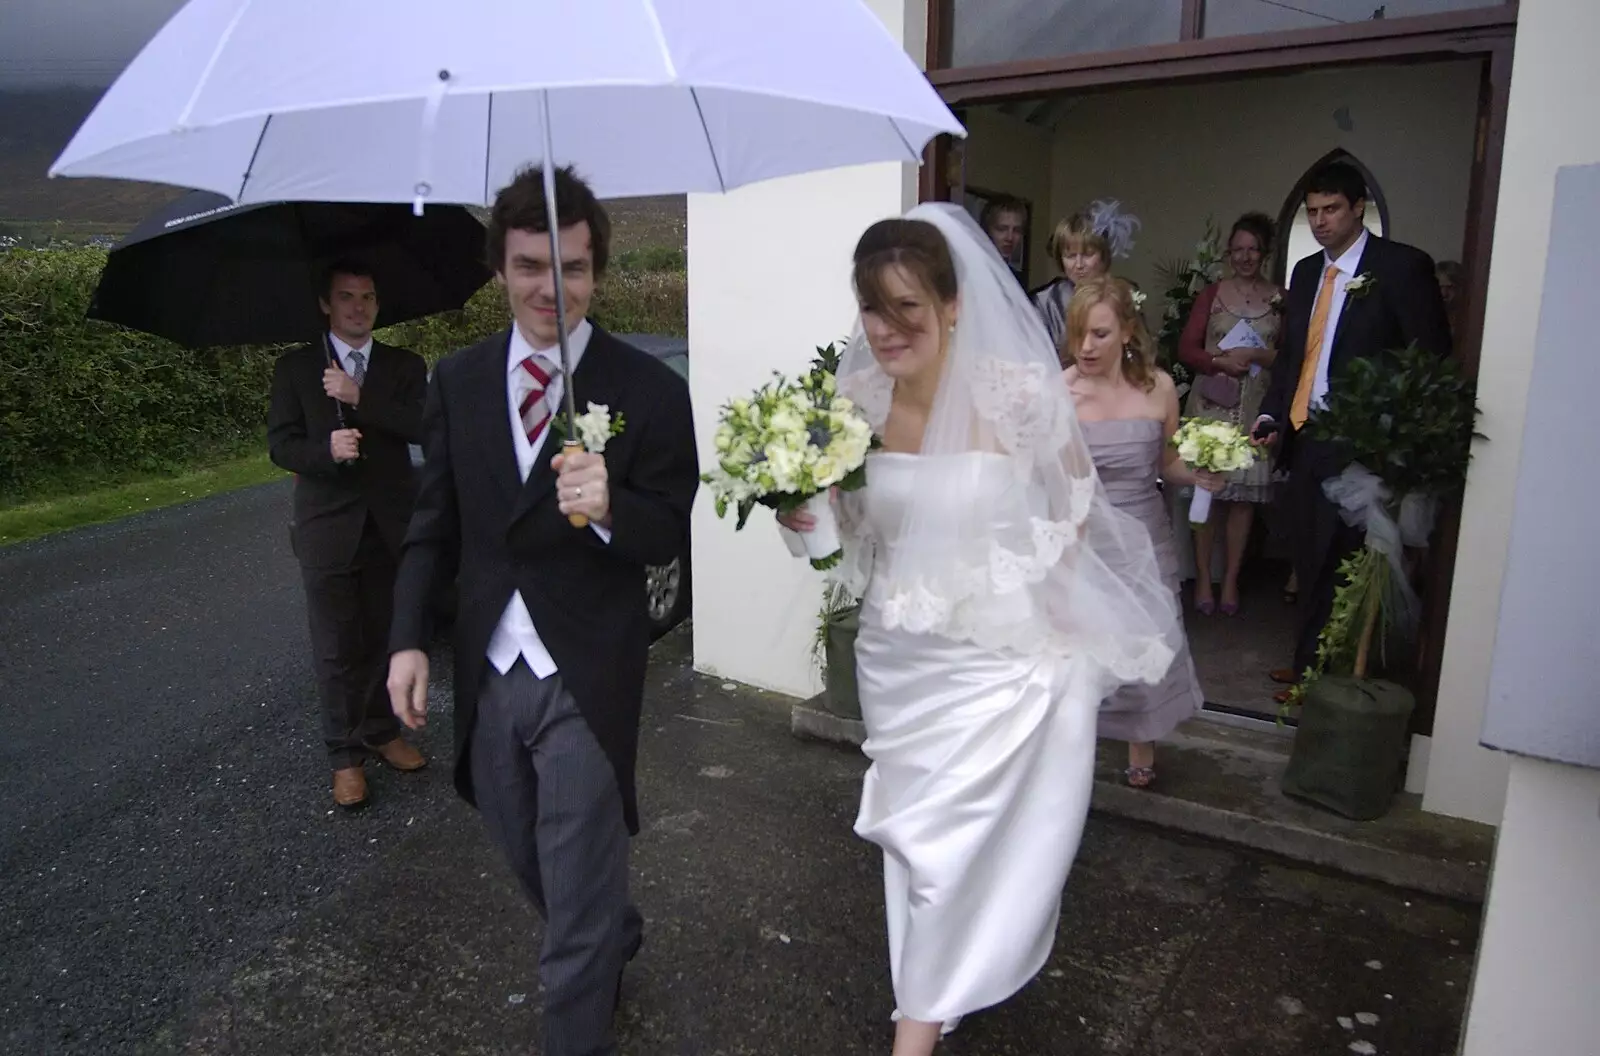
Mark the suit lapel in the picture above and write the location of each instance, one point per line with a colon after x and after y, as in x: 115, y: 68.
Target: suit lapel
x: 1352, y: 305
x: 487, y: 382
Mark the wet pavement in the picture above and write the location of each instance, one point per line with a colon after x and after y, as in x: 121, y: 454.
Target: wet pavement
x: 172, y: 879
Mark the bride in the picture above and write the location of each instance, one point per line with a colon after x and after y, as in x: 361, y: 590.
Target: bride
x: 1002, y: 599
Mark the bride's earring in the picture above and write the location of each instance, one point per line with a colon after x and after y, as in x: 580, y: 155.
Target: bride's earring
x: 1127, y: 353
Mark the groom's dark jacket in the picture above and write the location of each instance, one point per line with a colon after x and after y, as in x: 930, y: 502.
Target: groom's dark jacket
x: 586, y: 596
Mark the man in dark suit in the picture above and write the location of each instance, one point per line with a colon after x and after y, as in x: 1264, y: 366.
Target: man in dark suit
x: 1362, y: 296
x: 551, y: 633
x: 343, y: 411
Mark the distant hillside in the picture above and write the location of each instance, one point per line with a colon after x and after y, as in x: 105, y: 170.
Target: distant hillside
x: 34, y: 127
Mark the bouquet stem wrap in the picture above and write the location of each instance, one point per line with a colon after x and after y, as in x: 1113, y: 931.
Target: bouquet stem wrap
x: 822, y: 542
x: 1200, y: 506
x: 1364, y: 502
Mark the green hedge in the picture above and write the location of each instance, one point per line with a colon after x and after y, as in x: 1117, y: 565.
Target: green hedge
x: 80, y: 398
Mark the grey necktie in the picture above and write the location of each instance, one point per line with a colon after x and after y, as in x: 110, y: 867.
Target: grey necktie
x: 359, y: 362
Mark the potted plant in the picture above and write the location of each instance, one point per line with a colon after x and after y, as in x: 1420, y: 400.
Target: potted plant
x: 1406, y: 420
x: 833, y: 649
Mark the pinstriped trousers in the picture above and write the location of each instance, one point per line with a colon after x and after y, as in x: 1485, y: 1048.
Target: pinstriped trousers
x: 549, y: 796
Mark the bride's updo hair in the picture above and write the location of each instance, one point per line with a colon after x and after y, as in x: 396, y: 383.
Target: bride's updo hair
x: 917, y: 248
x: 1139, y: 357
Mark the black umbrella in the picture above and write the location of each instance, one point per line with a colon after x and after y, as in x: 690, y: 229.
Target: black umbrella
x: 204, y: 272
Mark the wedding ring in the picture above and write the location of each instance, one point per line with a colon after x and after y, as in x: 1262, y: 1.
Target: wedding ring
x: 577, y: 492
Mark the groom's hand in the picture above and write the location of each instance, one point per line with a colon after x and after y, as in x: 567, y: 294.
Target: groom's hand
x: 408, y: 687
x: 582, y: 486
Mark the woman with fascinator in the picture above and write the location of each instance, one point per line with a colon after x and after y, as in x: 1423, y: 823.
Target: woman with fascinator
x: 1083, y: 246
x: 1003, y: 597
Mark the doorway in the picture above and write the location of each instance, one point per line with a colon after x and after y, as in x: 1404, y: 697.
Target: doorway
x: 1185, y: 157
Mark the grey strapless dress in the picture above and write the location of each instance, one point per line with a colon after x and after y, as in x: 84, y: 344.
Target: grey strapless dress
x: 1128, y: 455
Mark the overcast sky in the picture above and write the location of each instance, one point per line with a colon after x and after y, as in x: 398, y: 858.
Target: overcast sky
x: 82, y: 42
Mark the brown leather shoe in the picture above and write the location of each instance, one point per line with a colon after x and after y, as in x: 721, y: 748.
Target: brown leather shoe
x: 1282, y: 696
x: 1284, y: 676
x: 401, y: 756
x: 350, y: 787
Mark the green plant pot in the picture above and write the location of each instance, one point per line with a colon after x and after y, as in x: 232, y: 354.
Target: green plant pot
x: 839, y: 652
x: 1351, y: 745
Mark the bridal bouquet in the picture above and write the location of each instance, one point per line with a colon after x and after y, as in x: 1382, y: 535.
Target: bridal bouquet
x: 784, y: 446
x: 1216, y: 447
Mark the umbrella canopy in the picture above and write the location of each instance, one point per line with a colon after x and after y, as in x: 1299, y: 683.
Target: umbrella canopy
x: 204, y: 272
x: 260, y: 101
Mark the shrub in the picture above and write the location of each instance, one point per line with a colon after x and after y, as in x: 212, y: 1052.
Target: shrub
x: 78, y: 396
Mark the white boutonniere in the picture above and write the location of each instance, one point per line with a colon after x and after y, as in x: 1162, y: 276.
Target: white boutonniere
x: 1361, y: 285
x: 1276, y: 304
x: 597, y: 426
x: 1138, y: 301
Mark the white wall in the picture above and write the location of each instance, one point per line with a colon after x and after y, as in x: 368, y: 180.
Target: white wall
x: 769, y: 280
x: 1539, y: 957
x: 1551, y: 123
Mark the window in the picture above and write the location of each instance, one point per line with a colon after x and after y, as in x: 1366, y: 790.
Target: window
x: 1232, y: 18
x: 1292, y: 217
x: 985, y: 32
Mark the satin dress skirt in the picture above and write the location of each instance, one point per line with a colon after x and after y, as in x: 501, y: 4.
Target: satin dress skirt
x: 982, y: 766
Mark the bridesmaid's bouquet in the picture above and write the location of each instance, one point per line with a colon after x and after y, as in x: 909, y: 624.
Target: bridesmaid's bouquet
x: 784, y: 446
x: 1216, y: 447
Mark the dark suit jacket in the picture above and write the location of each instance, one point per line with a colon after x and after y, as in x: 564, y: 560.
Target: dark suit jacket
x: 586, y: 597
x: 1403, y: 306
x: 332, y: 500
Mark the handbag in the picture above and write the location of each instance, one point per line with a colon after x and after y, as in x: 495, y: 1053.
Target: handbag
x: 1219, y: 390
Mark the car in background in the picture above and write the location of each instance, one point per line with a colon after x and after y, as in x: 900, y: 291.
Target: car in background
x: 667, y: 587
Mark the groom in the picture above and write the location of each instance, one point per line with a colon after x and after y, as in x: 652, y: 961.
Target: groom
x: 551, y: 634
x: 1362, y: 296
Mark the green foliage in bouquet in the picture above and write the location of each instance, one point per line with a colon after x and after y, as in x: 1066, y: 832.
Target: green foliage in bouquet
x: 1410, y: 417
x: 1181, y: 283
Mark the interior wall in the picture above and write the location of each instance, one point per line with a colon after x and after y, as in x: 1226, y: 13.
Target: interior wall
x: 1007, y: 154
x: 1174, y: 155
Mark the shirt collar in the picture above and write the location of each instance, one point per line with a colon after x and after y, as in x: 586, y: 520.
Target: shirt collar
x: 577, y: 343
x: 1350, y: 259
x: 344, y: 348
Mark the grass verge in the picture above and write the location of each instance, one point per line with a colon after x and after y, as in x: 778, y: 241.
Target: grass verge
x: 30, y: 520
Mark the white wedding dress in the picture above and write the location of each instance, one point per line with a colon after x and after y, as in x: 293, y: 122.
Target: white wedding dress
x: 982, y: 764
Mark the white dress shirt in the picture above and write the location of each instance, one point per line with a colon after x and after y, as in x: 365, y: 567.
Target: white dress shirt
x: 516, y: 635
x: 1347, y: 263
x: 344, y: 350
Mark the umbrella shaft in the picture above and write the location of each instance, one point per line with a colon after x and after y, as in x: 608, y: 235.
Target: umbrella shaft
x: 569, y: 396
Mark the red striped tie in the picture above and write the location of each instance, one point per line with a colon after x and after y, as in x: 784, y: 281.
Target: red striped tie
x: 534, y: 409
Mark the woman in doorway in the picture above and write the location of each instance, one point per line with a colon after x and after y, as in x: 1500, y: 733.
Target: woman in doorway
x: 1230, y: 341
x: 1083, y: 246
x: 1003, y: 597
x: 1129, y: 410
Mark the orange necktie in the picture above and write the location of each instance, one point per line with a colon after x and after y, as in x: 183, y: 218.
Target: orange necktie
x: 1300, y: 409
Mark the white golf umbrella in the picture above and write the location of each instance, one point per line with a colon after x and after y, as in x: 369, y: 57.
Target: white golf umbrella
x: 406, y: 100
x: 425, y: 101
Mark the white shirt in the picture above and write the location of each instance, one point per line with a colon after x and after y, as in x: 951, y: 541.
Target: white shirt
x: 1347, y: 263
x: 516, y: 635
x: 344, y: 351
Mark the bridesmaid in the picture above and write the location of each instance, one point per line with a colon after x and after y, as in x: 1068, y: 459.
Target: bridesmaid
x: 1128, y: 408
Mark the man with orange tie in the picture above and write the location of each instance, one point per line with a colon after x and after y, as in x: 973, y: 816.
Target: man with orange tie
x: 1362, y: 296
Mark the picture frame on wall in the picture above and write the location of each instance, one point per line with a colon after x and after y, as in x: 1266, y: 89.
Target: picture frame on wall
x: 976, y: 199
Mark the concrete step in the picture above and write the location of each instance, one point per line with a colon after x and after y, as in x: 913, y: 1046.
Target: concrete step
x: 1221, y: 782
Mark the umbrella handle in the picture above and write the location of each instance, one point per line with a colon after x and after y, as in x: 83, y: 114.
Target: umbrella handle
x: 569, y: 446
